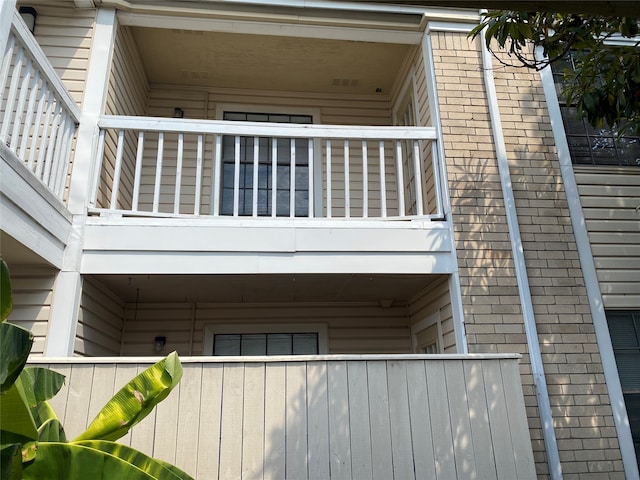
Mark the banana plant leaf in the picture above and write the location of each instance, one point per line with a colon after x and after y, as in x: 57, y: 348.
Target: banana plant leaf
x: 15, y: 415
x: 6, y: 300
x: 51, y: 431
x: 15, y: 345
x: 10, y: 462
x: 41, y: 383
x: 135, y: 400
x: 67, y: 461
x: 156, y: 468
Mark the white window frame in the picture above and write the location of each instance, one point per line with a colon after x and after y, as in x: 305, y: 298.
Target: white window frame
x: 321, y: 329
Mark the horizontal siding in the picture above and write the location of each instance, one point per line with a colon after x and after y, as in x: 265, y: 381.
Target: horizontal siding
x: 32, y: 294
x: 610, y: 200
x: 127, y: 94
x: 436, y: 299
x: 99, y: 330
x: 358, y: 328
x: 65, y: 35
x: 354, y: 419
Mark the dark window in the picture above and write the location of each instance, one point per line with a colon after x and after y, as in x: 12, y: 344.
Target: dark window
x: 265, y: 344
x: 265, y: 168
x: 589, y: 145
x: 624, y: 328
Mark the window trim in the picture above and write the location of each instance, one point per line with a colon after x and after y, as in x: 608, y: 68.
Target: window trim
x: 321, y: 329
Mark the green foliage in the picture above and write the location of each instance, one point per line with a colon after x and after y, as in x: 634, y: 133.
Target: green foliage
x: 33, y: 444
x: 135, y: 400
x: 603, y: 79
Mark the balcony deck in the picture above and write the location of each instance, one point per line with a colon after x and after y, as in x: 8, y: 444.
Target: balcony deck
x: 340, y: 417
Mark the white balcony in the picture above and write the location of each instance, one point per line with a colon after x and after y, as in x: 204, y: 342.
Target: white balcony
x: 184, y: 168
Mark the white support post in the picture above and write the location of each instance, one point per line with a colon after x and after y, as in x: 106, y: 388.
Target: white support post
x: 65, y: 306
x: 197, y: 200
x: 7, y: 7
x: 94, y: 99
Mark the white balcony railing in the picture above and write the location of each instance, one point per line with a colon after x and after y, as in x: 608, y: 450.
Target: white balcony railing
x: 38, y: 117
x: 177, y: 167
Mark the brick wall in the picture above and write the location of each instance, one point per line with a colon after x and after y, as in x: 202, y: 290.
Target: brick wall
x: 580, y: 405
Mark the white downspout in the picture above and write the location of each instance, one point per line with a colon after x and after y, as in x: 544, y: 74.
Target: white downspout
x: 591, y: 279
x: 537, y: 369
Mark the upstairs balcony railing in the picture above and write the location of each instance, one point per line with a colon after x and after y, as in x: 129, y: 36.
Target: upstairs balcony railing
x: 177, y: 167
x: 38, y: 117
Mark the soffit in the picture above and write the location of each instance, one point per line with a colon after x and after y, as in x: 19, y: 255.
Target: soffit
x: 266, y: 288
x: 267, y: 62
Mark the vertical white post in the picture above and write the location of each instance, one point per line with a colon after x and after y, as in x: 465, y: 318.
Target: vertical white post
x: 383, y: 181
x: 347, y: 189
x: 113, y: 204
x: 176, y: 197
x: 274, y: 177
x: 158, y: 180
x: 18, y: 121
x: 13, y: 91
x: 68, y: 288
x: 31, y: 105
x: 292, y: 179
x: 328, y: 178
x: 198, y: 192
x: 256, y: 158
x: 399, y: 179
x: 94, y: 100
x: 138, y: 171
x: 215, y: 178
x: 7, y: 7
x: 417, y: 176
x: 236, y: 176
x: 365, y: 180
x: 310, y: 171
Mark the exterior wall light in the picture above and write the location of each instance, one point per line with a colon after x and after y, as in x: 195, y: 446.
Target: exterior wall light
x: 178, y: 113
x: 159, y: 343
x: 29, y: 15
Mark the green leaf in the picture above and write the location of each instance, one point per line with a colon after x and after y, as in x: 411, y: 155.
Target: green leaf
x: 45, y: 382
x: 135, y: 400
x: 15, y: 414
x: 15, y: 345
x: 6, y: 302
x: 42, y: 414
x: 51, y: 431
x: 156, y: 468
x: 10, y: 462
x: 65, y: 461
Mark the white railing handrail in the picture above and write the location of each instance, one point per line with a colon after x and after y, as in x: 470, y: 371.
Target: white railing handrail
x: 48, y: 73
x: 286, y: 130
x: 281, y: 358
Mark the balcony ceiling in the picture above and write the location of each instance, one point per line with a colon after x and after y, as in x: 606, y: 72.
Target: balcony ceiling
x: 267, y: 288
x: 264, y: 62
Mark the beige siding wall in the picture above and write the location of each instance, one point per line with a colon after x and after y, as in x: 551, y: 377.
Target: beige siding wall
x: 99, y: 331
x: 127, y: 94
x: 32, y: 294
x: 65, y: 35
x: 580, y: 406
x: 352, y: 328
x: 610, y: 198
x: 436, y: 300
